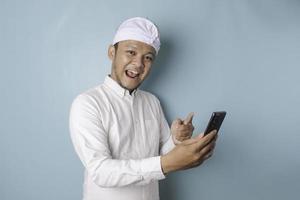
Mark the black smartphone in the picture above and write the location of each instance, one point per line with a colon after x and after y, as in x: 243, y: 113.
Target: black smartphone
x: 215, y: 121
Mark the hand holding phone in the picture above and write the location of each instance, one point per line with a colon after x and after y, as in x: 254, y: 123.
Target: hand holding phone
x: 215, y: 121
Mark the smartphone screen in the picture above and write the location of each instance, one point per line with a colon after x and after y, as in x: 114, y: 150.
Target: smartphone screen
x: 215, y: 121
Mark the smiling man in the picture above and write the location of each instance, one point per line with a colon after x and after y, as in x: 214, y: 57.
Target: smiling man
x: 119, y: 131
x: 131, y: 62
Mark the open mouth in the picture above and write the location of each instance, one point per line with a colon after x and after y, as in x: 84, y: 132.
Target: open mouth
x: 132, y: 73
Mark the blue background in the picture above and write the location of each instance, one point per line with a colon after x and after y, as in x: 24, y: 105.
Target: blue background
x: 242, y: 56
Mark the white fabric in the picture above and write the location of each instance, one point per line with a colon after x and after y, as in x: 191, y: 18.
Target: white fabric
x: 139, y: 29
x: 119, y: 137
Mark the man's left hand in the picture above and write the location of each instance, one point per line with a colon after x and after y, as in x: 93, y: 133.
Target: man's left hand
x: 182, y: 129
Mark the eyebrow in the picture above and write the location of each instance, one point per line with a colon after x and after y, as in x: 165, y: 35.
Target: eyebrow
x: 135, y: 47
x: 151, y: 54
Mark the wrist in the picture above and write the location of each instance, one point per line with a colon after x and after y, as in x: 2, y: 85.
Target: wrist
x: 166, y: 164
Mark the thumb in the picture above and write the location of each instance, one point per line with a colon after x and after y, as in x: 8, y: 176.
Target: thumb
x: 189, y: 118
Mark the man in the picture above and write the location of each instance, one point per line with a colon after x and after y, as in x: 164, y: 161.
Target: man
x: 120, y: 133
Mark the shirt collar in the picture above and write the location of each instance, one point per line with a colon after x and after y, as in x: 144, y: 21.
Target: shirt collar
x: 111, y: 83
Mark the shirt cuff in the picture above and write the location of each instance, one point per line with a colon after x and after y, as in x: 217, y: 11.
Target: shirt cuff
x: 151, y: 169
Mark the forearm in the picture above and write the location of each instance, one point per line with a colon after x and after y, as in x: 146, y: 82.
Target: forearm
x: 118, y: 173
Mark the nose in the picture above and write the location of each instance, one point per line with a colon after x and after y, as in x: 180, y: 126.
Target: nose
x: 138, y: 61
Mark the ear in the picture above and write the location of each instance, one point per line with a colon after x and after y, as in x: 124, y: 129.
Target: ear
x: 111, y: 52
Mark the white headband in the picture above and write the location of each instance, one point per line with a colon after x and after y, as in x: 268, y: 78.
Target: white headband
x: 139, y: 29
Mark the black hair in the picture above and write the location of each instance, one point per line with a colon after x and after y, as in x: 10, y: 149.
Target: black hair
x: 116, y: 46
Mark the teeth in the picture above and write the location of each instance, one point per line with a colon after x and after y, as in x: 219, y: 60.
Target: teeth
x: 134, y: 72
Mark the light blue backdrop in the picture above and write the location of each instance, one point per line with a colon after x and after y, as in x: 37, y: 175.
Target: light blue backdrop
x: 240, y: 56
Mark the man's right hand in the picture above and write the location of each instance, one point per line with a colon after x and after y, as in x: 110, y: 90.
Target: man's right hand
x: 190, y: 153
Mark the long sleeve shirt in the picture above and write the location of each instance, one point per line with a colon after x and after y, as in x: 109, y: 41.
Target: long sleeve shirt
x: 119, y: 139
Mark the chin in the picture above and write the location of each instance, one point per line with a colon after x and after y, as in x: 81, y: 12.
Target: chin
x: 130, y: 88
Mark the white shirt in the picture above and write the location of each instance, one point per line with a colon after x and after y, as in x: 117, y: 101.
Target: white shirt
x: 119, y: 137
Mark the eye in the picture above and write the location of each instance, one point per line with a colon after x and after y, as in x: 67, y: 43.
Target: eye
x: 149, y: 58
x: 131, y: 52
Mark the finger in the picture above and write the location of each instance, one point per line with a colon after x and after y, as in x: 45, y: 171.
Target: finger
x: 176, y: 123
x: 204, y: 154
x: 193, y: 165
x: 209, y: 153
x: 196, y: 164
x: 216, y: 134
x: 206, y: 150
x: 184, y: 133
x: 189, y: 118
x: 187, y: 137
x: 186, y: 127
x: 181, y: 138
x: 201, y: 135
x: 202, y: 142
x: 190, y: 141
